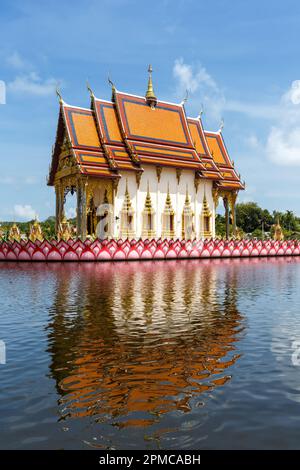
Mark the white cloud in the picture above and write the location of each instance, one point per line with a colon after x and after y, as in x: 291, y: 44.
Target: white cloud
x: 30, y: 180
x: 254, y: 110
x: 192, y: 79
x: 202, y: 85
x: 6, y: 180
x: 25, y: 212
x: 32, y: 84
x: 2, y: 92
x: 252, y: 141
x: 293, y: 94
x: 283, y: 145
x: 16, y: 61
x: 283, y: 141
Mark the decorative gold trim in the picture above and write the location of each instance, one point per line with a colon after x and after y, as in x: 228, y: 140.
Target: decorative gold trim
x: 178, y: 174
x: 168, y: 222
x: 138, y: 176
x: 158, y: 172
x: 206, y: 217
x: 127, y: 216
x: 197, y: 182
x: 216, y: 196
x: 187, y: 226
x: 148, y: 217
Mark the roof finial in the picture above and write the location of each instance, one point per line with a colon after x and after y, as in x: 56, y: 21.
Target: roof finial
x: 150, y: 95
x: 201, y: 112
x: 185, y: 98
x: 89, y: 89
x: 221, y: 125
x: 113, y: 88
x: 59, y: 94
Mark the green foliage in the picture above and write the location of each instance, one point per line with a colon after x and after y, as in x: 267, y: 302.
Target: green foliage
x: 249, y: 216
x: 252, y: 219
x: 48, y: 227
x: 220, y: 226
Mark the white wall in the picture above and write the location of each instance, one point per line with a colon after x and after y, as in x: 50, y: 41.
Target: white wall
x: 158, y: 192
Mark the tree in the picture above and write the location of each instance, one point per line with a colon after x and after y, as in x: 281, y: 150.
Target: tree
x: 249, y: 216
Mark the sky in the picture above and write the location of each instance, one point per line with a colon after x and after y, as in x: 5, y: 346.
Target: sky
x: 239, y: 60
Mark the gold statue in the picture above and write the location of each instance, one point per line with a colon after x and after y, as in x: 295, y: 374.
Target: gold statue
x: 2, y: 234
x: 278, y: 233
x: 14, y: 233
x: 64, y: 230
x: 35, y: 232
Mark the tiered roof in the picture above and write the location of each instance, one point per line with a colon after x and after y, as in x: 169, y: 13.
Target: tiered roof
x: 131, y: 131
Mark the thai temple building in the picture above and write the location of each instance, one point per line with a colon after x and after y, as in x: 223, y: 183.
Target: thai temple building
x: 142, y: 167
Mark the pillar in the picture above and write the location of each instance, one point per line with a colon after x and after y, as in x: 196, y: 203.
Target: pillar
x: 226, y: 206
x: 234, y: 219
x: 81, y: 210
x: 59, y: 209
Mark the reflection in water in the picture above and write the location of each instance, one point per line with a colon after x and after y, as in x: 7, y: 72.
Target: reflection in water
x: 131, y: 342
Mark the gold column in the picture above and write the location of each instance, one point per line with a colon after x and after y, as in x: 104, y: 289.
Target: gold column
x: 59, y: 196
x: 81, y: 208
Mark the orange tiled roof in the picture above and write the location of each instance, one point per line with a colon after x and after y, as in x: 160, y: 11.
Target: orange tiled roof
x: 127, y: 134
x: 211, y: 170
x: 221, y: 158
x: 81, y: 127
x: 157, y: 135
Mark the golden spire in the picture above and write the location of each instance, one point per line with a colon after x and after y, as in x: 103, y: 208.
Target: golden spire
x: 148, y: 216
x: 127, y: 203
x: 168, y: 204
x: 150, y: 95
x: 187, y: 204
x: 148, y: 203
x: 205, y: 207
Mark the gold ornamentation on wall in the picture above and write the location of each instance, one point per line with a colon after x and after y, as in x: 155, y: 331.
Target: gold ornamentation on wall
x: 158, y: 173
x: 127, y: 216
x: 188, y: 231
x: 138, y: 176
x: 197, y: 182
x: 168, y: 218
x: 216, y: 196
x: 178, y: 174
x: 206, y: 216
x: 148, y: 229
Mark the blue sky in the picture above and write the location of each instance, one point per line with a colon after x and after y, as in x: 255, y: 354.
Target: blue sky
x: 239, y: 59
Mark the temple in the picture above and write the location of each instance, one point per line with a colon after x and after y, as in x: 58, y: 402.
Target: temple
x: 141, y: 168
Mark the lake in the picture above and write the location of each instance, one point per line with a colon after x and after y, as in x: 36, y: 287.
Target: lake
x: 190, y: 354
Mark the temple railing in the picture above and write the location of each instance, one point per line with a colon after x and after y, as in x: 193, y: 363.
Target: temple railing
x: 113, y: 250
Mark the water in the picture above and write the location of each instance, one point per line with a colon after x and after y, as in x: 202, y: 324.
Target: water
x: 154, y: 355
